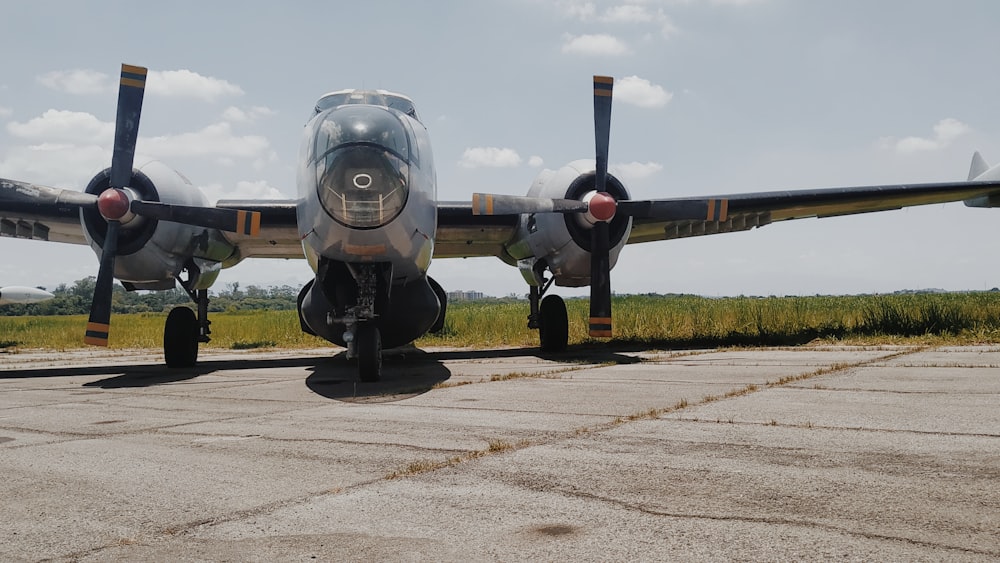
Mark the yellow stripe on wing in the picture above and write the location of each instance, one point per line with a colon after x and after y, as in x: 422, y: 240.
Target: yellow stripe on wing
x: 247, y: 222
x: 482, y: 204
x: 255, y: 224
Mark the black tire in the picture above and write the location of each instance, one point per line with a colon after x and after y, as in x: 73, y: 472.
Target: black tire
x: 438, y: 325
x: 553, y: 324
x: 180, y: 338
x: 368, y: 340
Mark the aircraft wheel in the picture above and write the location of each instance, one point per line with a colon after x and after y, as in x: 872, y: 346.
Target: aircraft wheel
x: 553, y: 324
x: 369, y: 350
x: 180, y: 338
x: 438, y: 325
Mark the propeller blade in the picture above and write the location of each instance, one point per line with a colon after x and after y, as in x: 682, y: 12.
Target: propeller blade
x: 677, y: 210
x: 230, y: 220
x: 494, y: 204
x: 600, y: 237
x: 98, y: 326
x: 130, y: 90
x: 602, y: 127
x: 600, y: 281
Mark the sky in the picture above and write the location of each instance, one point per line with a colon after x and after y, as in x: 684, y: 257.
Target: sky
x: 712, y: 97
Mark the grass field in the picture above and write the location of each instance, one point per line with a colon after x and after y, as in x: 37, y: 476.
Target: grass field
x: 666, y: 322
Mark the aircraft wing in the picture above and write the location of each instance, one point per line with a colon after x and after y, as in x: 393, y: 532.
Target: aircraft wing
x: 741, y: 212
x: 279, y: 231
x: 51, y: 214
x: 463, y: 233
x: 41, y: 213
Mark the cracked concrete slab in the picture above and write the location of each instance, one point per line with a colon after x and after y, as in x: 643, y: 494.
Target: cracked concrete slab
x: 803, y: 453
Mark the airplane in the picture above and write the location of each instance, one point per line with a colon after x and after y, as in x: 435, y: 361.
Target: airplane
x: 368, y: 223
x: 17, y: 294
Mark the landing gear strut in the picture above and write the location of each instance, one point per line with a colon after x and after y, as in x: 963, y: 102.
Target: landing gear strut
x: 361, y: 332
x: 549, y: 318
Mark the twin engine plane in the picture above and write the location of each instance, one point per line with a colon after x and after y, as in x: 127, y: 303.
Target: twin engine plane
x: 368, y: 223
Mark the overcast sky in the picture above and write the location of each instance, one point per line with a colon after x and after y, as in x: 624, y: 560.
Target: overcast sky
x: 713, y: 97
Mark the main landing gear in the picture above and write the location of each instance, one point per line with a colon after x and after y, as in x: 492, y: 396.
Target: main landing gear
x: 184, y: 330
x: 549, y: 317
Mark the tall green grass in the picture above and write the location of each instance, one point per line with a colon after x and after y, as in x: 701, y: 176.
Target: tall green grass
x: 237, y: 330
x: 679, y: 321
x: 686, y: 321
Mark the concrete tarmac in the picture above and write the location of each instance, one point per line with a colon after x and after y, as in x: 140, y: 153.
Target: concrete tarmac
x: 807, y: 453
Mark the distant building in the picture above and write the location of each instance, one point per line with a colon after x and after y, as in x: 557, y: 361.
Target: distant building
x: 465, y: 295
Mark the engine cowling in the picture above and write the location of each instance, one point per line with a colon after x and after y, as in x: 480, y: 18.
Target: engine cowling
x: 151, y: 253
x: 561, y: 242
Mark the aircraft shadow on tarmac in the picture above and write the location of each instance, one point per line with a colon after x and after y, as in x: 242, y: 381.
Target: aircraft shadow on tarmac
x: 406, y: 372
x: 410, y: 371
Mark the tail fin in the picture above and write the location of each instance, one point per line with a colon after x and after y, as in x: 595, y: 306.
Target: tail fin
x: 978, y: 167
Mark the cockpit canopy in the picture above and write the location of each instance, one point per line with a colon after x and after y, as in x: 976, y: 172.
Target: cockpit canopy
x: 382, y: 98
x: 361, y: 155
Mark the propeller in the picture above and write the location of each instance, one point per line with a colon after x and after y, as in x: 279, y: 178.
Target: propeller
x: 600, y: 238
x: 599, y: 208
x: 118, y: 204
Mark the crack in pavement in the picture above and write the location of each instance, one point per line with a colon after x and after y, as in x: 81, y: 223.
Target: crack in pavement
x: 770, y: 521
x: 810, y: 426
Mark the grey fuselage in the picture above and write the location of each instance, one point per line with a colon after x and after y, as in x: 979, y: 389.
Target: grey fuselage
x: 367, y: 188
x: 367, y: 201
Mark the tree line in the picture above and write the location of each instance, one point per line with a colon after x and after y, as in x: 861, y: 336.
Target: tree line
x: 75, y: 298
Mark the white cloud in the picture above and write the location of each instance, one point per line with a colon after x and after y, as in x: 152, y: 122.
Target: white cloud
x: 720, y: 2
x: 237, y: 115
x: 493, y: 157
x: 243, y: 190
x: 736, y: 2
x: 601, y: 44
x: 64, y: 126
x: 76, y: 163
x: 949, y: 129
x: 6, y: 112
x: 626, y: 13
x: 215, y: 140
x: 536, y: 161
x: 945, y: 131
x: 257, y: 190
x: 78, y: 82
x: 188, y: 84
x: 639, y: 14
x: 168, y: 83
x: 583, y: 11
x: 634, y: 13
x: 640, y: 92
x: 636, y: 170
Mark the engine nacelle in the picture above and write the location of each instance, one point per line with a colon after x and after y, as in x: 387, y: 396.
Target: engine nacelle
x: 561, y: 242
x: 152, y: 253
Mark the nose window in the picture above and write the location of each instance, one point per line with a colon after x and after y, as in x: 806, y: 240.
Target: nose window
x: 362, y: 186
